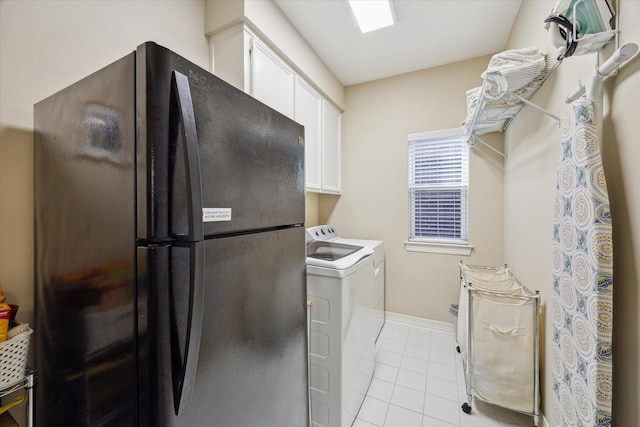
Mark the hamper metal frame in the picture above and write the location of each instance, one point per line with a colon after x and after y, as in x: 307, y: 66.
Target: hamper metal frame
x: 527, y: 296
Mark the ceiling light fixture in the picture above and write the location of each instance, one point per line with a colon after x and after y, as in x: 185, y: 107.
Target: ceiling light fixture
x: 372, y: 14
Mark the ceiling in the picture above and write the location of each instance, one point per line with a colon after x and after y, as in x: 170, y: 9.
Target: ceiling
x: 427, y: 33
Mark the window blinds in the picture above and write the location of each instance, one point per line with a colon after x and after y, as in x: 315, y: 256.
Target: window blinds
x: 438, y: 187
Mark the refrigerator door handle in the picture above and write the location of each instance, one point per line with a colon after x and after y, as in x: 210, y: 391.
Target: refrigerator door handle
x: 181, y: 90
x: 185, y: 364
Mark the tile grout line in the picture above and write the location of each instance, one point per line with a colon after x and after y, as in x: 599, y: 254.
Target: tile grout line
x: 404, y: 342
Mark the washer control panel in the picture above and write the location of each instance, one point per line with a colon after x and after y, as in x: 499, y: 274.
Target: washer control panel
x: 322, y: 232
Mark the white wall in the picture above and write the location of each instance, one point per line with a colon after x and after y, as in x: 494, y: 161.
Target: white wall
x: 374, y: 203
x: 533, y: 146
x: 47, y: 45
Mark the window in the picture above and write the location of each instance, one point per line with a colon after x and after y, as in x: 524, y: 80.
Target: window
x: 438, y: 188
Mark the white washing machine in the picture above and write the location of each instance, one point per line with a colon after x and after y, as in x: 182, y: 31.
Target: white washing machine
x: 342, y: 334
x: 347, y: 290
x: 328, y: 233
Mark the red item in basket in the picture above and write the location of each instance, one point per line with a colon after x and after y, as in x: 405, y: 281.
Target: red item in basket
x: 12, y: 320
x: 5, y: 317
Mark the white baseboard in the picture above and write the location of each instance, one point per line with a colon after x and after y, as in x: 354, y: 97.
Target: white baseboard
x: 433, y: 325
x: 419, y: 322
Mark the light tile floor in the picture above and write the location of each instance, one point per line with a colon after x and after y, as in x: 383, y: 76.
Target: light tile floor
x: 419, y: 382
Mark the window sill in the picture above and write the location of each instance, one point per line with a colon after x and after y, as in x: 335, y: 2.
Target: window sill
x: 439, y: 248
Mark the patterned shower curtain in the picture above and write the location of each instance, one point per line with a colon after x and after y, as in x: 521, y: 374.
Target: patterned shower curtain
x: 582, y: 278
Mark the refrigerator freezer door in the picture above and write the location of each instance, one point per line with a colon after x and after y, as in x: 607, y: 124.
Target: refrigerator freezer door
x: 252, y: 363
x: 251, y: 157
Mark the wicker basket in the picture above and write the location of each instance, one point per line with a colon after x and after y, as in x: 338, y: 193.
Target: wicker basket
x: 13, y: 355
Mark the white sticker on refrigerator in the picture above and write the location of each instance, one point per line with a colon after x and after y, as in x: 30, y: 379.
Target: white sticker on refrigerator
x: 216, y: 214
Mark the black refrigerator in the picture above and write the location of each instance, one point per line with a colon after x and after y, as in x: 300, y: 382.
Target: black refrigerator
x: 170, y: 283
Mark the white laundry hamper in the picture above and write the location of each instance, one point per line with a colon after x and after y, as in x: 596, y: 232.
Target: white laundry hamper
x: 495, y: 279
x: 498, y: 336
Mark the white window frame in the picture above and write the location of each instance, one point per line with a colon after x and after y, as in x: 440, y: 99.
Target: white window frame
x: 454, y: 138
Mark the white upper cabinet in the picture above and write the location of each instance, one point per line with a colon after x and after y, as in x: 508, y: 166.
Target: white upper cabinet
x: 271, y: 80
x: 231, y: 60
x: 242, y: 59
x: 308, y: 112
x: 330, y: 148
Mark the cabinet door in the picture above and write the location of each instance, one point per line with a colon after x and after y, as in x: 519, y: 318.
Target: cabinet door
x: 231, y: 56
x: 308, y: 112
x: 330, y: 148
x: 272, y: 81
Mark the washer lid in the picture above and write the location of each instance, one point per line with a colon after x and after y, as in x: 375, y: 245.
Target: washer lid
x: 335, y: 255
